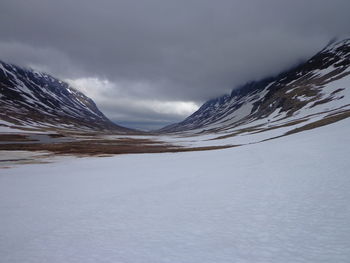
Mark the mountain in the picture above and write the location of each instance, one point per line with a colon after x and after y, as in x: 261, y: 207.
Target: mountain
x: 316, y: 89
x: 34, y: 100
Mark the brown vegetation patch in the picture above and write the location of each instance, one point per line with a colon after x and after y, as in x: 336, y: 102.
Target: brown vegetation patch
x: 56, y: 135
x: 336, y: 91
x: 240, y: 131
x: 106, y: 147
x: 14, y: 138
x: 325, y: 121
x: 322, y: 102
x: 288, y: 124
x: 331, y: 118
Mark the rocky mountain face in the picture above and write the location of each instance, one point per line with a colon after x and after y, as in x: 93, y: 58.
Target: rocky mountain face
x: 317, y: 89
x: 34, y: 100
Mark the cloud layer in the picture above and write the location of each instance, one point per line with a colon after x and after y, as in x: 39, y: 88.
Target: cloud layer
x: 157, y: 55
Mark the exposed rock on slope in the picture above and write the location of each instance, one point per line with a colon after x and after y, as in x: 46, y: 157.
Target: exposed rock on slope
x: 319, y: 86
x: 33, y: 100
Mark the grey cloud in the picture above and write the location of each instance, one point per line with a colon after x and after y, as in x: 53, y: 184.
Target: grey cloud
x: 43, y: 59
x: 189, y: 50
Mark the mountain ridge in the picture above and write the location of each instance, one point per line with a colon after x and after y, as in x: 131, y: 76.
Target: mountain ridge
x: 35, y: 100
x: 269, y: 94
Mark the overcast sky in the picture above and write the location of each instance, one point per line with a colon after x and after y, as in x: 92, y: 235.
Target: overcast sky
x: 153, y: 62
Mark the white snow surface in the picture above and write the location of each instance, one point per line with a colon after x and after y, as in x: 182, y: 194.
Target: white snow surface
x: 284, y: 200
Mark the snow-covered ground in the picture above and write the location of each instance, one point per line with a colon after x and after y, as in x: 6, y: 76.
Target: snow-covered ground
x: 284, y: 200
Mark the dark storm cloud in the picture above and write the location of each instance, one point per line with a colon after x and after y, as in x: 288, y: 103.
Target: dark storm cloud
x: 180, y: 50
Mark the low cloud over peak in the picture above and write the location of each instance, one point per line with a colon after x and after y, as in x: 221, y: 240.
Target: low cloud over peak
x: 119, y: 102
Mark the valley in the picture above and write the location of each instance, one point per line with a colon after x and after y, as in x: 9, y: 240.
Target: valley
x: 258, y: 175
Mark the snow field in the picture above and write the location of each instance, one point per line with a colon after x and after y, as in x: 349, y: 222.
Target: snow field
x: 284, y: 200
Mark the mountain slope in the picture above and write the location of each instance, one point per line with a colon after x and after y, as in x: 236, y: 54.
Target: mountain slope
x: 30, y: 99
x: 318, y: 86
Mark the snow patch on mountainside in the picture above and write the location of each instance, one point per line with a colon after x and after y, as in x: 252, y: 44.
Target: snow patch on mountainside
x: 34, y: 99
x: 319, y: 85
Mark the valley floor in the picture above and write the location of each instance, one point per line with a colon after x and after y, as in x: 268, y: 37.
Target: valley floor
x: 282, y: 200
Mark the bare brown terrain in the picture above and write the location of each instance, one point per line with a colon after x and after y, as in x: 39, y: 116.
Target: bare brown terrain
x: 102, y: 145
x: 95, y: 146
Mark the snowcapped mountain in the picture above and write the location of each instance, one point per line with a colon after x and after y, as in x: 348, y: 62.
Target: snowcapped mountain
x: 34, y: 100
x: 318, y: 89
x: 315, y: 91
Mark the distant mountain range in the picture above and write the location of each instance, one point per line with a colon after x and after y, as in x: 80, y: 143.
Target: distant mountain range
x: 34, y: 100
x: 315, y: 89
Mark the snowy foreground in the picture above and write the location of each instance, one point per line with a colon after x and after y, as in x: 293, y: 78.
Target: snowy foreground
x: 284, y: 200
